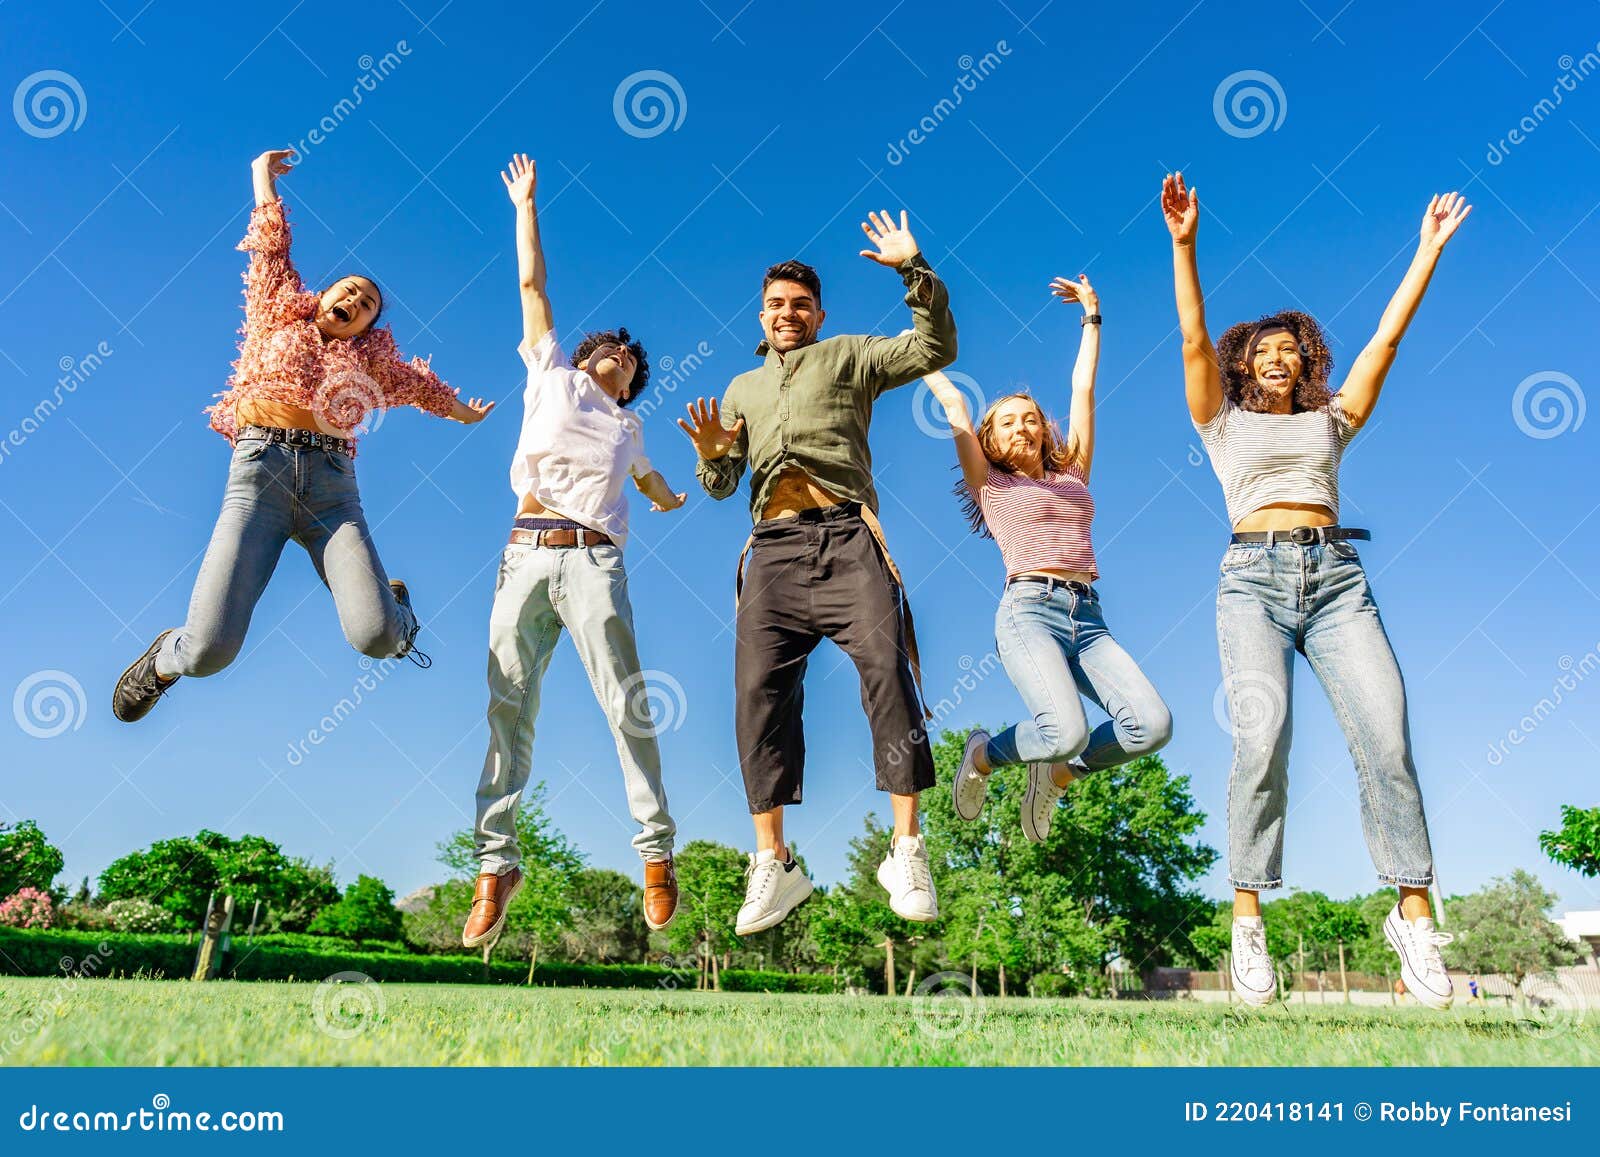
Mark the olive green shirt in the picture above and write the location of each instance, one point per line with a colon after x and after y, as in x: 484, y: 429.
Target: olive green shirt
x: 812, y: 406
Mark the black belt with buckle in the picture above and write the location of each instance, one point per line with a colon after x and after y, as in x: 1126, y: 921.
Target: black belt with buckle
x: 311, y: 438
x: 1082, y: 590
x: 1303, y: 535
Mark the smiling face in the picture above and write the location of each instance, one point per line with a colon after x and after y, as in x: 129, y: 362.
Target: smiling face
x: 348, y: 307
x: 1016, y: 434
x: 790, y: 315
x: 612, y: 366
x: 1276, y: 364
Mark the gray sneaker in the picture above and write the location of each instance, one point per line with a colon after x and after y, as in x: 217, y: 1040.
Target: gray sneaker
x: 139, y: 687
x: 970, y: 786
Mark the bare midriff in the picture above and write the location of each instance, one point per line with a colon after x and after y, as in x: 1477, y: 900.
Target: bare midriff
x: 794, y: 491
x: 531, y: 507
x: 253, y: 412
x: 1069, y: 576
x: 1285, y: 516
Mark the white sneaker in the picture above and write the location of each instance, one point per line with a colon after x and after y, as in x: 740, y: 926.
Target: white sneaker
x: 1039, y: 801
x: 1254, y: 978
x: 773, y: 889
x: 1421, y: 966
x: 970, y: 787
x: 907, y: 876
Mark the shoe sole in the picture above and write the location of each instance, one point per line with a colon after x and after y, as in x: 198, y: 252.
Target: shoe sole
x: 774, y: 919
x: 955, y: 785
x: 1424, y: 995
x: 499, y: 925
x: 654, y: 927
x: 155, y: 646
x: 915, y: 918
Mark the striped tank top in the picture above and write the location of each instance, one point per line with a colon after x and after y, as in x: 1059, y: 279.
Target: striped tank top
x: 1262, y: 459
x: 1040, y: 523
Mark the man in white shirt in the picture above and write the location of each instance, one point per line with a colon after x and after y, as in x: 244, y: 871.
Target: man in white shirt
x: 563, y: 568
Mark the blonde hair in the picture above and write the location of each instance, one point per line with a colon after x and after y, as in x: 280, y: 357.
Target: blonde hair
x: 1056, y: 457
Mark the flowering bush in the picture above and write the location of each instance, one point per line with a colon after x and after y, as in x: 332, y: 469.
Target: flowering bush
x: 28, y: 908
x: 138, y: 915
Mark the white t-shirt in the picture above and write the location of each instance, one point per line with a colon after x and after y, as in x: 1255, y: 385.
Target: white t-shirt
x: 577, y: 446
x: 1261, y: 459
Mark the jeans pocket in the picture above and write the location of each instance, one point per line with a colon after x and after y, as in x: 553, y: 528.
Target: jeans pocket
x: 1344, y: 552
x: 1241, y: 557
x: 342, y: 463
x: 1027, y: 593
x: 250, y: 449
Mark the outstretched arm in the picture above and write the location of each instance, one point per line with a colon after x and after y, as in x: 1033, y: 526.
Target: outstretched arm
x: 520, y: 179
x: 721, y: 451
x: 969, y: 451
x: 1202, y: 382
x: 931, y: 342
x: 1365, y: 381
x: 271, y: 276
x: 662, y: 497
x: 1080, y: 428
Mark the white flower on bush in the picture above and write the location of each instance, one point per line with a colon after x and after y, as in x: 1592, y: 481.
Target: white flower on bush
x: 138, y: 915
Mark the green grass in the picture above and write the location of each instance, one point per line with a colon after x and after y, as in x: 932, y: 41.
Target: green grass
x: 154, y: 1022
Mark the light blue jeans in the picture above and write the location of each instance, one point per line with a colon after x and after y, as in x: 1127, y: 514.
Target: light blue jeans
x: 276, y: 493
x: 539, y: 591
x: 1055, y: 647
x: 1271, y: 602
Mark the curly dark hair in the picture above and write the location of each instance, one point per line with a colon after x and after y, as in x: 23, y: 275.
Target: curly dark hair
x: 1057, y: 458
x: 796, y: 271
x: 641, y: 369
x: 1234, y: 357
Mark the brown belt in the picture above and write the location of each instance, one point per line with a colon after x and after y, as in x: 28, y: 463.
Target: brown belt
x: 559, y: 538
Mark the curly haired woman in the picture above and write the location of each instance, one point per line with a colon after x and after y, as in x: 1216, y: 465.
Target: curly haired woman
x: 1027, y: 487
x: 1291, y: 581
x: 311, y: 368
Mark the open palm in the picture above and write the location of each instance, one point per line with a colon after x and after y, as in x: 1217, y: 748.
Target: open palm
x: 895, y: 243
x: 1444, y: 216
x: 1180, y: 207
x: 705, y: 429
x: 520, y: 179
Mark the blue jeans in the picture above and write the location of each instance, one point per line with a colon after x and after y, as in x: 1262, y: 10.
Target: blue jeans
x: 1055, y: 647
x: 540, y: 591
x: 276, y: 493
x: 1271, y: 602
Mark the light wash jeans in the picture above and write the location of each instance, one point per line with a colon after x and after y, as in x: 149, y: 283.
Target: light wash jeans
x: 1271, y: 602
x: 1055, y: 647
x: 276, y: 493
x: 539, y: 591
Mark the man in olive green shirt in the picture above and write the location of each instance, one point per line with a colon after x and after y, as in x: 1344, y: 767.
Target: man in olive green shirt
x: 818, y: 566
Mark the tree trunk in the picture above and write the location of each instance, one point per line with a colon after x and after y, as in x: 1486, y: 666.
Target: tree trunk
x: 1223, y: 977
x: 911, y: 977
x: 888, y: 966
x: 1002, y: 980
x: 1344, y: 980
x: 533, y: 960
x: 1302, y: 968
x: 716, y: 974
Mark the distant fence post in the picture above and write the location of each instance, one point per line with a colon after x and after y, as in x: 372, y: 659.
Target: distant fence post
x: 219, y: 921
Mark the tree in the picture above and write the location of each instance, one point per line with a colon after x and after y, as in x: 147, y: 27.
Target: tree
x: 1504, y: 928
x: 607, y: 924
x: 366, y: 912
x: 550, y: 862
x: 177, y: 874
x: 27, y: 859
x: 1577, y: 843
x: 710, y: 892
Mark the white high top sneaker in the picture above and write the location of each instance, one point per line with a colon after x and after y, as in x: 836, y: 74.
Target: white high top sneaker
x: 1254, y: 978
x: 773, y: 888
x: 970, y: 788
x: 908, y: 877
x: 1421, y: 966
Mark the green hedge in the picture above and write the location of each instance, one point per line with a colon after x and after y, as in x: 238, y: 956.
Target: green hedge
x: 268, y: 958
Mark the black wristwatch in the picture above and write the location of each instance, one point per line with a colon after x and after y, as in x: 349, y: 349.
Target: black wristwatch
x: 1090, y: 319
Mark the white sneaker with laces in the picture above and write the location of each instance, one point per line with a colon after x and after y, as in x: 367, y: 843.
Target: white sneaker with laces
x: 1254, y: 978
x: 970, y: 786
x: 773, y: 889
x: 1039, y: 801
x: 907, y: 876
x: 1421, y: 967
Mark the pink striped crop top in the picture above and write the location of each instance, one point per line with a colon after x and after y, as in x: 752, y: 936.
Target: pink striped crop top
x: 1040, y: 523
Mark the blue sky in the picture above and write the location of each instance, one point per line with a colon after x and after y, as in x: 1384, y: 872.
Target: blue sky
x: 1476, y: 475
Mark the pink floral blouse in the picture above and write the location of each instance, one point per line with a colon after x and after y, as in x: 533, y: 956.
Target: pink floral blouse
x: 284, y: 357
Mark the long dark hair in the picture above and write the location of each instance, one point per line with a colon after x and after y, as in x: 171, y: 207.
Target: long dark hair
x: 1235, y: 352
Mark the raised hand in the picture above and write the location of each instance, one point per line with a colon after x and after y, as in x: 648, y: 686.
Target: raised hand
x: 1444, y: 216
x: 1180, y: 207
x: 1080, y: 291
x: 274, y: 161
x: 895, y: 243
x: 520, y: 179
x: 705, y: 430
x: 471, y: 412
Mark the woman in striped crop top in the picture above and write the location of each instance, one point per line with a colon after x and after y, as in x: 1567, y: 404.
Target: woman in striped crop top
x: 1291, y: 581
x: 1027, y: 487
x: 311, y: 369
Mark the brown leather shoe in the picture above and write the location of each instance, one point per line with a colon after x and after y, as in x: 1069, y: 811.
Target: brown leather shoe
x: 490, y: 899
x: 660, y: 893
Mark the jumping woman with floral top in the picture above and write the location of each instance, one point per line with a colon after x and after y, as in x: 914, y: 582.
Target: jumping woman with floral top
x: 1027, y: 487
x: 1291, y: 581
x: 311, y: 369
